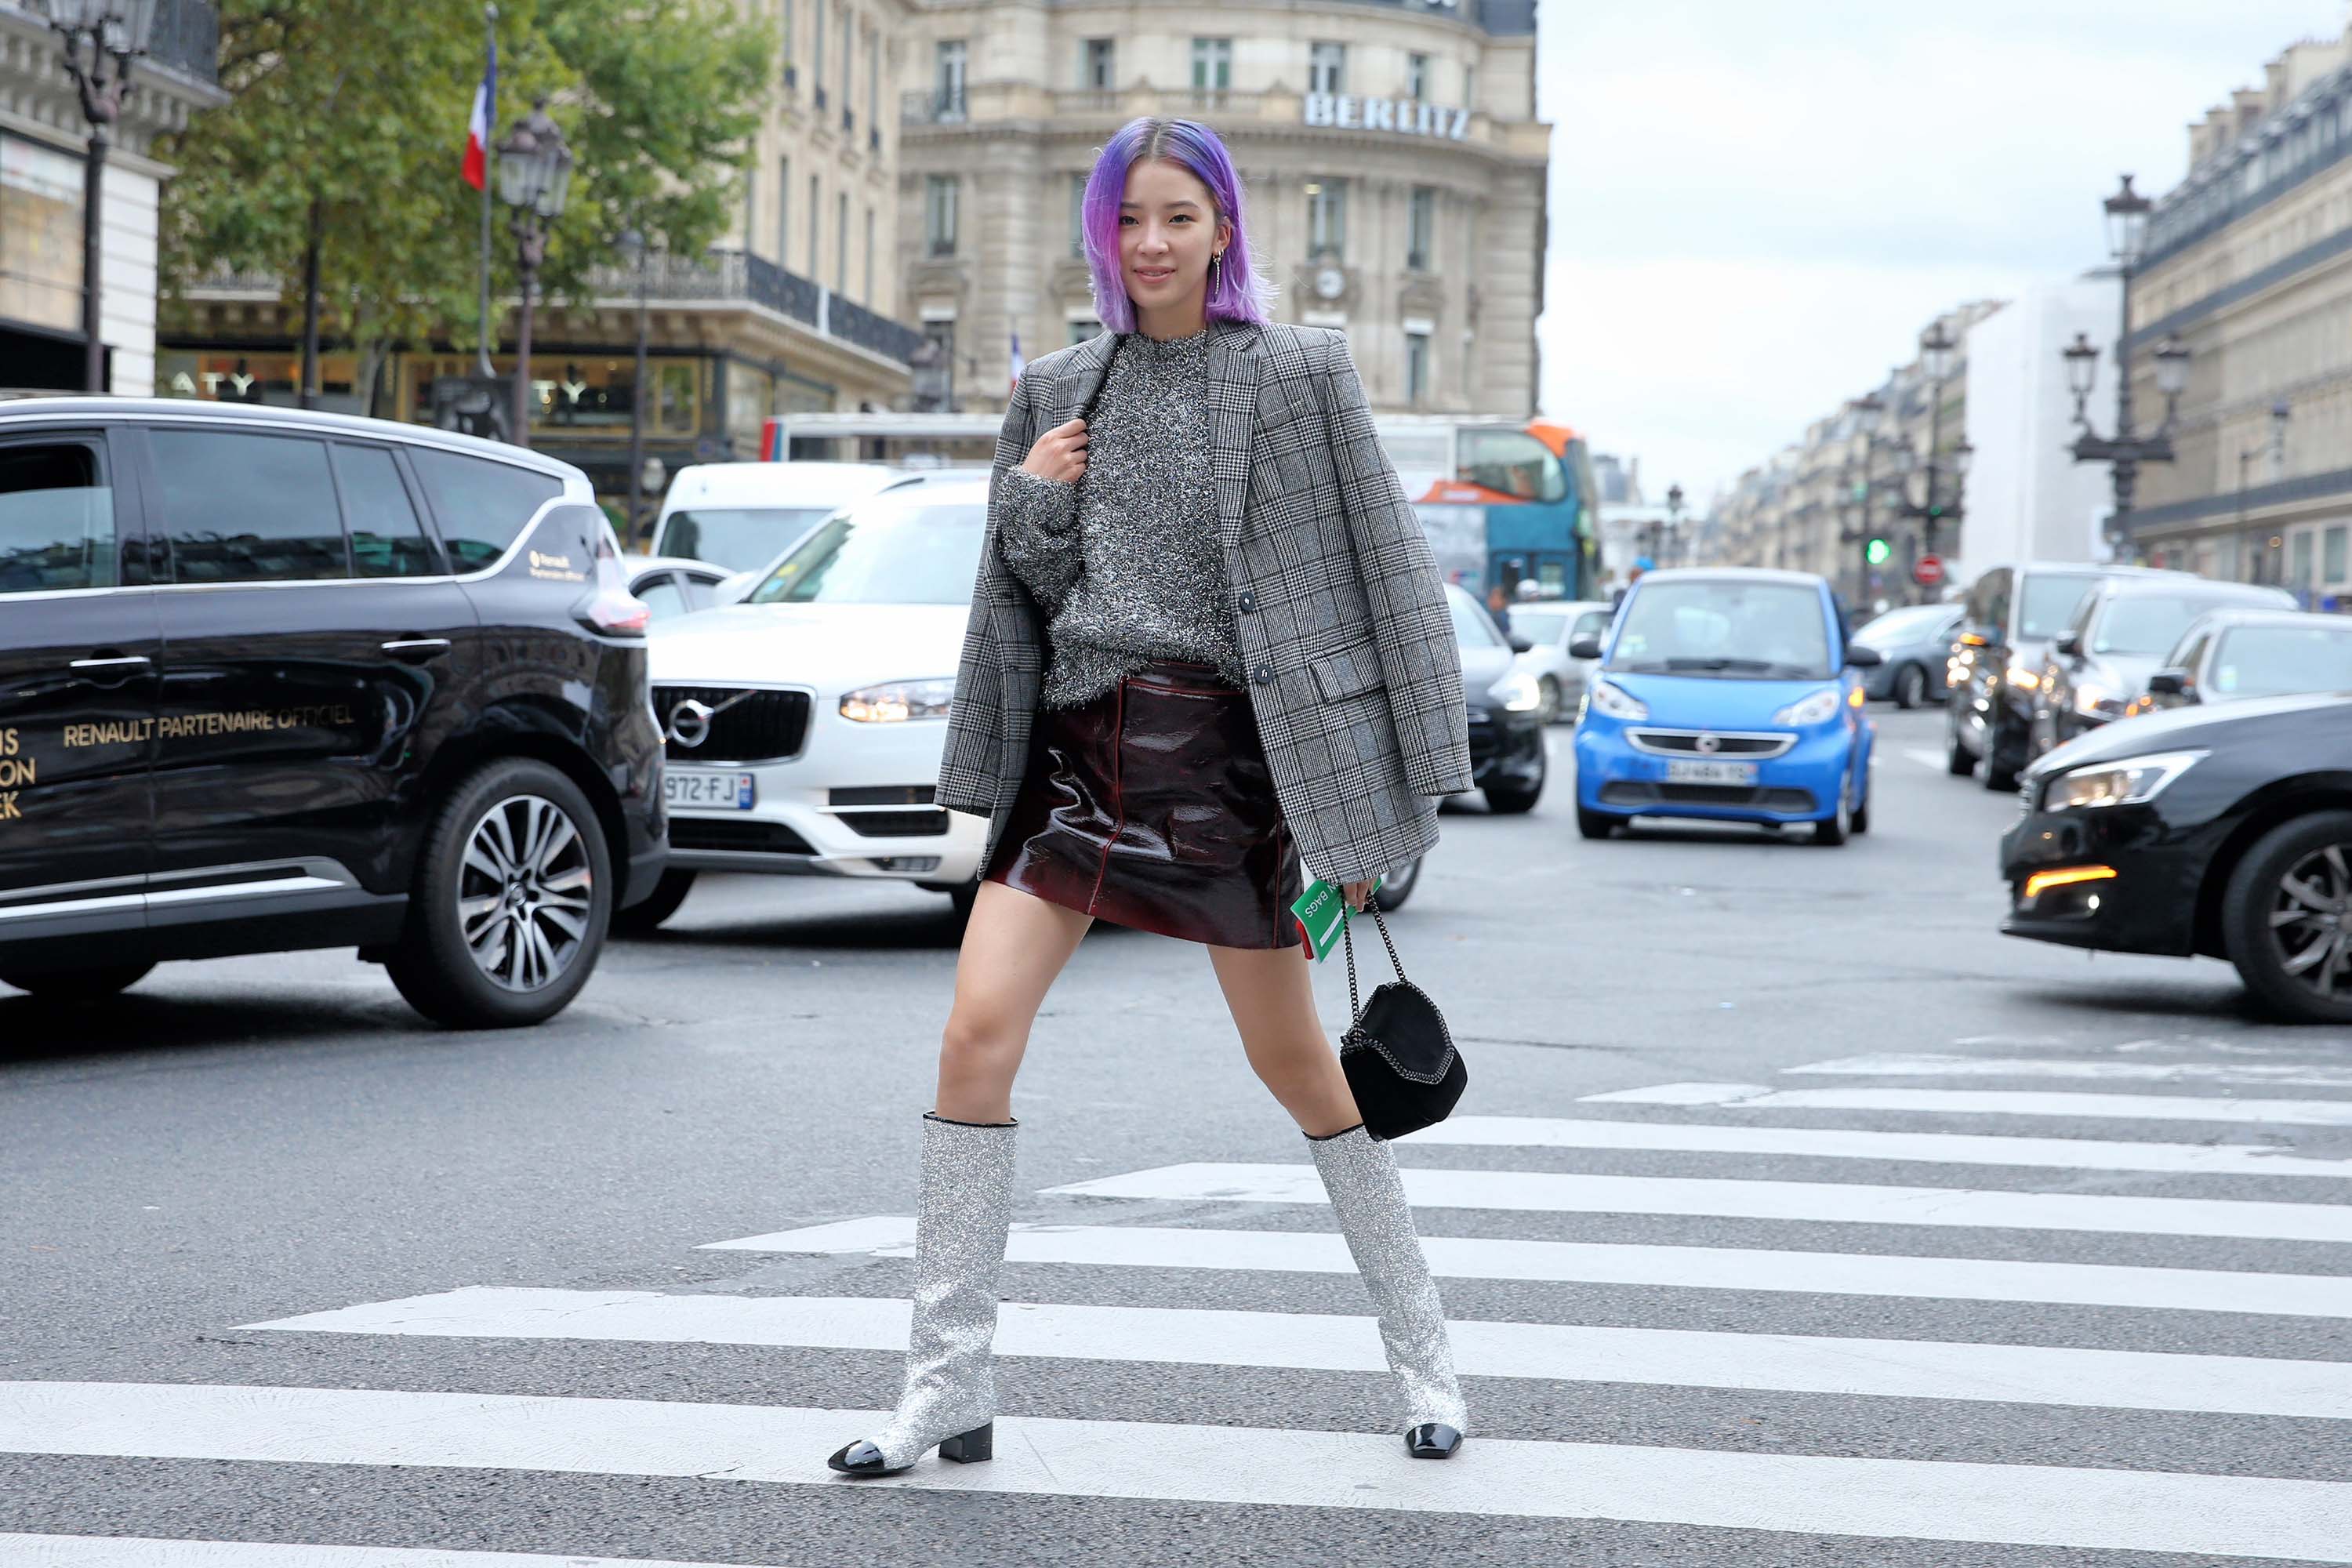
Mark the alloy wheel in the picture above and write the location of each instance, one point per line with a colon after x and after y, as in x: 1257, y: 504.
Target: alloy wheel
x: 2311, y: 921
x: 524, y: 894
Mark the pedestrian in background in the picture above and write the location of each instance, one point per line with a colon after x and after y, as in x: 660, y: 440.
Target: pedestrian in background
x: 1499, y: 604
x: 1172, y: 690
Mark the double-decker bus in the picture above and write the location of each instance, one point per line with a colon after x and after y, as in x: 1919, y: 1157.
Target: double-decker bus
x: 1503, y: 502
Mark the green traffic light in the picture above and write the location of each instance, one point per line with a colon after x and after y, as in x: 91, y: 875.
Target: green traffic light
x: 1876, y: 552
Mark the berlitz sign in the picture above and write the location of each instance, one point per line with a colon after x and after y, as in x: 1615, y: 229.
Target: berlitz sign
x: 1349, y: 113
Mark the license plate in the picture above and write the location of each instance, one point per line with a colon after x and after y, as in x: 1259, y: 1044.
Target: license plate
x: 1710, y: 773
x: 707, y: 789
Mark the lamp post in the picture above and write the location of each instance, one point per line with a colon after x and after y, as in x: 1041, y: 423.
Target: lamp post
x: 534, y: 179
x: 1938, y: 356
x: 95, y: 31
x: 1867, y: 412
x: 633, y: 248
x: 2259, y: 565
x: 1674, y: 551
x: 2128, y: 212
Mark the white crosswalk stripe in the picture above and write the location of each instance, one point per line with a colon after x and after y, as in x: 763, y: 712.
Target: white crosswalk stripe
x: 2104, y: 1370
x: 2064, y: 1505
x: 1598, y: 1263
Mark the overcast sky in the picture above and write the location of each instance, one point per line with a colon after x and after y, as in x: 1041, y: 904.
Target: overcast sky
x: 1756, y: 204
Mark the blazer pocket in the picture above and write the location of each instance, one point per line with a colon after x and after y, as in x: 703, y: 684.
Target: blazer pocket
x: 1348, y: 673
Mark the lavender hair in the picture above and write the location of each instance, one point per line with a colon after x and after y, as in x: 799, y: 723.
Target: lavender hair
x: 1239, y: 294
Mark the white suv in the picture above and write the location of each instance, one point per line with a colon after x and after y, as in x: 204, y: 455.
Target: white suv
x: 803, y: 725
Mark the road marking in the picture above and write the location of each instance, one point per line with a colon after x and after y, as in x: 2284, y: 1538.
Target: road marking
x: 1925, y: 757
x: 1991, y: 1102
x: 2312, y: 1074
x: 1838, y: 1203
x: 1595, y: 1263
x: 2040, y: 1505
x: 1846, y: 1143
x: 148, y: 1551
x: 1673, y: 1358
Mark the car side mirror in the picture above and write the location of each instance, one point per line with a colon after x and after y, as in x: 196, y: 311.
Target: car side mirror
x: 2172, y: 683
x: 1520, y: 644
x: 1584, y: 647
x: 2070, y: 644
x: 1861, y: 656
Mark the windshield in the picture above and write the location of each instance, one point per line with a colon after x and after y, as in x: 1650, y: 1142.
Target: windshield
x: 1593, y: 623
x: 1538, y: 625
x: 1903, y: 625
x: 737, y: 538
x: 1773, y: 630
x: 1471, y: 627
x: 883, y: 552
x: 2050, y: 602
x: 2273, y: 661
x: 2147, y: 624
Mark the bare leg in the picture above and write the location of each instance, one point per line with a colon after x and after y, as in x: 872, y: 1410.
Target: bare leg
x: 1273, y: 1004
x: 1014, y: 945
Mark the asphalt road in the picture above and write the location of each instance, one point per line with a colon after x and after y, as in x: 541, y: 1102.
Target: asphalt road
x: 2044, y: 1261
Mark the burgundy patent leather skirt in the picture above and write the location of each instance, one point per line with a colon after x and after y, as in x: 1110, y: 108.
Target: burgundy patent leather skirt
x: 1151, y: 807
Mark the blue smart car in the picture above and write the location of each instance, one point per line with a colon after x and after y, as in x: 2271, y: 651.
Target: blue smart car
x: 1725, y: 694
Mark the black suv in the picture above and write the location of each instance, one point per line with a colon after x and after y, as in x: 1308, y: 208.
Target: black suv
x: 273, y: 679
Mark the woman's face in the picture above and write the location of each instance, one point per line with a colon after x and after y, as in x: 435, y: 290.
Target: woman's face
x: 1168, y: 230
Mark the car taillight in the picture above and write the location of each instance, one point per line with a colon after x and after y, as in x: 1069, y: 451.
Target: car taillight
x: 611, y: 609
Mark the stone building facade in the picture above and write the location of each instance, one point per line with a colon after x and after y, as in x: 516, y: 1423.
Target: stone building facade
x: 1393, y: 168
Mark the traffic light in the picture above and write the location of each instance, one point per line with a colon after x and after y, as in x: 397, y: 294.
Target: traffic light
x: 1876, y: 552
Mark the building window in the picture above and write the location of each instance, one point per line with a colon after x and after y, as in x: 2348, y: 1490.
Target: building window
x: 1416, y: 77
x: 1416, y: 367
x: 948, y: 80
x: 939, y: 193
x: 2334, y: 562
x: 845, y: 19
x: 868, y: 295
x: 874, y: 79
x: 750, y: 211
x: 816, y: 49
x: 1077, y: 215
x: 784, y: 212
x: 841, y: 243
x: 2302, y: 577
x: 791, y: 10
x: 815, y: 192
x: 1327, y: 216
x: 1097, y: 64
x: 1327, y: 68
x: 1469, y: 86
x: 1082, y: 331
x: 1212, y: 64
x: 1421, y: 228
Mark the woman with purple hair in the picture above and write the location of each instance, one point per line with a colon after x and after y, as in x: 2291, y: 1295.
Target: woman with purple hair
x: 1208, y: 642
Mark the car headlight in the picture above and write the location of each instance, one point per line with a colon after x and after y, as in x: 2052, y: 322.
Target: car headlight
x: 896, y: 701
x: 1617, y: 702
x: 2023, y: 678
x: 1818, y: 709
x: 2130, y: 782
x: 2096, y: 701
x: 1519, y: 692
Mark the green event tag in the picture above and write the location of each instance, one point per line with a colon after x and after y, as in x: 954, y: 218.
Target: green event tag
x: 1322, y: 914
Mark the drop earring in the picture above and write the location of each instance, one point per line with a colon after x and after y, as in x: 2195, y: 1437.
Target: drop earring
x: 1216, y: 270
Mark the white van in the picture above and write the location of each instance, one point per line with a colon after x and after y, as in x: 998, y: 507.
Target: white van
x: 744, y: 515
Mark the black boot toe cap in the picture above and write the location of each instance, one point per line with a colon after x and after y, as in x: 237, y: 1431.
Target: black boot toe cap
x: 860, y: 1458
x: 1433, y: 1440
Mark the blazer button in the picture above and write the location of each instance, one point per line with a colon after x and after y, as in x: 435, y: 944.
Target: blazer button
x: 1249, y: 599
x: 1263, y: 675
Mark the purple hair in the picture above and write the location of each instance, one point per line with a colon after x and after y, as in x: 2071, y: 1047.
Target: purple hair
x: 1238, y: 293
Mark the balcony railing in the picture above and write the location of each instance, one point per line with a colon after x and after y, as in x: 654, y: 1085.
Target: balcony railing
x: 934, y: 108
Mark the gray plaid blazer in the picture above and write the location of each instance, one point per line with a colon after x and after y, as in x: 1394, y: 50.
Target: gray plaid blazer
x: 1339, y: 611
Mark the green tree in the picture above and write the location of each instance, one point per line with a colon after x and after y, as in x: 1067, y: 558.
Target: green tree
x: 335, y: 166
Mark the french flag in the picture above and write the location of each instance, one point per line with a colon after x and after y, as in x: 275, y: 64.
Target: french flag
x: 478, y: 128
x: 1018, y: 363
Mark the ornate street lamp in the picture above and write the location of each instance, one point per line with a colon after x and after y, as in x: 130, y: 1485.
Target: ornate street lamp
x: 96, y: 31
x: 2128, y: 212
x: 535, y: 180
x: 1938, y: 357
x: 1674, y: 525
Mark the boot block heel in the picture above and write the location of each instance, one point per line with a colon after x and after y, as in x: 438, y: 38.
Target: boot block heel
x: 971, y: 1447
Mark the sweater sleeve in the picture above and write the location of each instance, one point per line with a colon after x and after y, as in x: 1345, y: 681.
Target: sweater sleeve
x: 1037, y: 533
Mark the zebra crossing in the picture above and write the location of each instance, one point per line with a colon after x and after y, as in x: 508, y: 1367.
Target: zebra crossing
x: 1988, y: 1228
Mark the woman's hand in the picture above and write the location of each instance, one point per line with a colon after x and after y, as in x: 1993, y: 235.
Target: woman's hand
x: 1358, y: 894
x: 1060, y: 454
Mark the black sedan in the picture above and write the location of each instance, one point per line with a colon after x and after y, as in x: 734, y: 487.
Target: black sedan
x: 2223, y: 832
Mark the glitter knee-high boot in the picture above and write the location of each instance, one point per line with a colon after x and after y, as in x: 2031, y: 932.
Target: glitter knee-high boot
x: 1368, y: 1197
x: 949, y: 1397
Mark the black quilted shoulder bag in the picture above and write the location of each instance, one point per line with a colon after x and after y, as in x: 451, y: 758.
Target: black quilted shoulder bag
x: 1398, y: 1054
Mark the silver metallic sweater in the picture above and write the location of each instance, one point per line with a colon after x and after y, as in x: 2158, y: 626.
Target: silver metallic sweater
x: 1127, y: 563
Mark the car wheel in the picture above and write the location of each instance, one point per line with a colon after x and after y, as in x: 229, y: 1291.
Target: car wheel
x: 1597, y: 824
x: 646, y: 917
x: 1395, y: 889
x: 76, y: 984
x: 1997, y: 779
x: 1551, y: 708
x: 1910, y: 687
x: 2286, y: 917
x: 1959, y: 761
x: 1833, y: 830
x: 1858, y: 823
x: 512, y: 901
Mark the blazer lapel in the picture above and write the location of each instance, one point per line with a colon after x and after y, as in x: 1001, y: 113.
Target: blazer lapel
x: 1233, y: 366
x: 1077, y: 386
